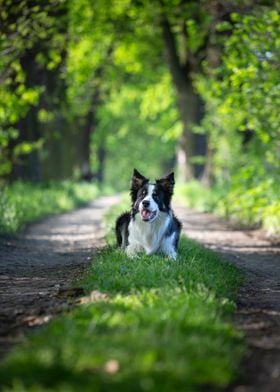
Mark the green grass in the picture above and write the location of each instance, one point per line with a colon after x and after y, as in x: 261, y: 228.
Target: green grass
x: 160, y: 326
x: 252, y: 205
x: 195, y: 195
x: 22, y: 203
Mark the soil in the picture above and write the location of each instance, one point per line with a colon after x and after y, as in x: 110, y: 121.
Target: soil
x: 258, y: 306
x: 40, y: 268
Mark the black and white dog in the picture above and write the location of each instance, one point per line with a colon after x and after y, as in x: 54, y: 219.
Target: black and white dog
x: 151, y: 225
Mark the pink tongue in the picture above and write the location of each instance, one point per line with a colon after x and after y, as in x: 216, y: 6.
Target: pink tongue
x: 146, y: 214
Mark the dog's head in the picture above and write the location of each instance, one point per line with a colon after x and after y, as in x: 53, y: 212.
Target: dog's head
x: 149, y: 199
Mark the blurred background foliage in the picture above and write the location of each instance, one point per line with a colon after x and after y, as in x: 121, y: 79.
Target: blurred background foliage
x: 91, y: 89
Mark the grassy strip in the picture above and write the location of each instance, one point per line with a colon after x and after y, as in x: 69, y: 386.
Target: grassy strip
x: 151, y: 325
x: 251, y: 205
x: 22, y: 203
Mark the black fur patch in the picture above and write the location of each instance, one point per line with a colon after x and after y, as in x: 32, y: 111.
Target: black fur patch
x: 137, y: 182
x: 122, y: 227
x: 175, y: 226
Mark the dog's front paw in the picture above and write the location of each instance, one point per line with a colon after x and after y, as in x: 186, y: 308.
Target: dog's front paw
x: 169, y: 252
x: 131, y: 251
x: 172, y: 257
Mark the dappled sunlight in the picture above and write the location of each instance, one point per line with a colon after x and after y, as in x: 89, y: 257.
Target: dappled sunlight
x: 219, y: 234
x: 77, y: 230
x: 89, y: 91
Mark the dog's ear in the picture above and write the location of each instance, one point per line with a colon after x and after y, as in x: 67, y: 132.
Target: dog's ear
x: 167, y: 183
x: 137, y: 182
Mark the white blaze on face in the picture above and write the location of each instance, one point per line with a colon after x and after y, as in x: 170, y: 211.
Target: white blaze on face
x: 149, y: 212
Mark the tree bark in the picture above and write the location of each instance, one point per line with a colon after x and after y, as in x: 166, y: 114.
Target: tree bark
x: 101, y: 157
x: 189, y: 105
x: 28, y: 167
x: 85, y: 148
x: 89, y: 128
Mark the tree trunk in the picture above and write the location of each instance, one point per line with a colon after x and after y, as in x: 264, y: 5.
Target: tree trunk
x: 189, y: 105
x: 101, y: 157
x: 89, y: 128
x: 85, y: 148
x: 33, y: 162
x: 28, y: 167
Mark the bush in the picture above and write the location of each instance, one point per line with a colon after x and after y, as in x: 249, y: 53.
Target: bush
x: 242, y: 123
x: 253, y: 205
x: 22, y: 203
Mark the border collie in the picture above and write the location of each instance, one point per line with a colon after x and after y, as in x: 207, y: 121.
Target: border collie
x: 151, y: 225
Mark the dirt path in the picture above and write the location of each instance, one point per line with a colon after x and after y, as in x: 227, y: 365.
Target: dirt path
x: 38, y: 268
x: 258, y: 312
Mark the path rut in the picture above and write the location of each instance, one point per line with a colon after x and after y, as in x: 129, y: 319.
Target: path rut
x: 39, y: 266
x: 258, y: 307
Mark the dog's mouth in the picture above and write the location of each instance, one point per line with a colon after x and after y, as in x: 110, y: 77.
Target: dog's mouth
x: 147, y: 215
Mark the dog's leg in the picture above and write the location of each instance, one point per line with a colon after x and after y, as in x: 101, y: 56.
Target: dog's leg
x: 121, y: 229
x: 151, y: 251
x: 132, y: 250
x: 124, y: 237
x: 168, y: 247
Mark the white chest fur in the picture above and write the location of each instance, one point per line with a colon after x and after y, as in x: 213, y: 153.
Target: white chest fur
x: 148, y: 236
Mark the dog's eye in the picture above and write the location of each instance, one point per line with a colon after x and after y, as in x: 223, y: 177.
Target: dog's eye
x: 154, y: 194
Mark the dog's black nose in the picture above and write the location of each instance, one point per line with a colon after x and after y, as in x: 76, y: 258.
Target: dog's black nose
x: 145, y: 203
